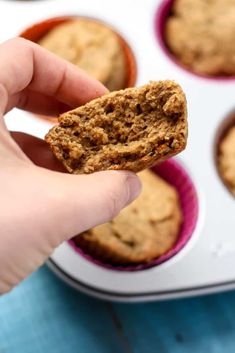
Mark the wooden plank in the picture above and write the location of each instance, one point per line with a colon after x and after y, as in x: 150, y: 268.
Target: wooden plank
x: 203, y: 325
x: 45, y: 315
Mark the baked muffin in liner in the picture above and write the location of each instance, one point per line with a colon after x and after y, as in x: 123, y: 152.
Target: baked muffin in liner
x: 173, y: 173
x: 125, y: 62
x: 195, y: 36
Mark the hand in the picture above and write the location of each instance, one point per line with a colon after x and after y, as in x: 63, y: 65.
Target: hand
x: 41, y: 208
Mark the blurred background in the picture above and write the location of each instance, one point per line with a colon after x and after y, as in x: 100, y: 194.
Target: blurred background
x: 45, y: 315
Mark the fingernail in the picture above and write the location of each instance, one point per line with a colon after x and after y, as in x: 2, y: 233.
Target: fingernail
x: 134, y: 185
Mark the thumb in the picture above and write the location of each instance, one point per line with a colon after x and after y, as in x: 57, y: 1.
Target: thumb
x: 42, y: 208
x: 69, y: 204
x: 84, y: 201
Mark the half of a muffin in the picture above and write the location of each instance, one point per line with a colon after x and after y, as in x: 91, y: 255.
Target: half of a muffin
x: 131, y: 129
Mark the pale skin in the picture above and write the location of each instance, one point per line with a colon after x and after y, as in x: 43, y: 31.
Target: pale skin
x: 41, y: 205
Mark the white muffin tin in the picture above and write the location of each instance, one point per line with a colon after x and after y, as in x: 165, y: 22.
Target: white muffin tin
x: 207, y: 263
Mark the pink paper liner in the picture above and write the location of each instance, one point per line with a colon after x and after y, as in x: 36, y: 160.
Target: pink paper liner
x: 160, y: 17
x: 174, y: 174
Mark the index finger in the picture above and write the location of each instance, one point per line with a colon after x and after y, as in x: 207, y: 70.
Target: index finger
x: 24, y: 64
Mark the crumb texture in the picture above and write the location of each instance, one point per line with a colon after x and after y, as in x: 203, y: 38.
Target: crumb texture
x: 226, y: 159
x: 93, y: 47
x: 145, y: 230
x: 201, y: 35
x: 132, y: 129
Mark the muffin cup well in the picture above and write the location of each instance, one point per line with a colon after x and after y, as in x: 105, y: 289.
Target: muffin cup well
x: 40, y: 29
x: 222, y: 131
x: 172, y: 172
x: 160, y: 18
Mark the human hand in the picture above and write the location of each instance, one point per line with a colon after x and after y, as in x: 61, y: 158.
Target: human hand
x: 41, y: 208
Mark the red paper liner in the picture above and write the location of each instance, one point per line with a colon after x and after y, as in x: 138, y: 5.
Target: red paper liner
x: 40, y: 29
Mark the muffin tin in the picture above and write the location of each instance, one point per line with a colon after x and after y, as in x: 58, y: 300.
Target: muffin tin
x: 206, y: 263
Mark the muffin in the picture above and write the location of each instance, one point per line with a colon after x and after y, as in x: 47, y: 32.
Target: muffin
x: 145, y: 230
x: 93, y: 47
x: 200, y: 34
x: 130, y: 129
x: 226, y: 159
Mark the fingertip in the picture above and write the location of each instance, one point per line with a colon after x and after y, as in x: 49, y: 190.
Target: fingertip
x: 92, y: 199
x: 127, y: 184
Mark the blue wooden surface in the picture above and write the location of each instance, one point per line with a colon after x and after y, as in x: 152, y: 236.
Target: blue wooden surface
x: 44, y: 315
